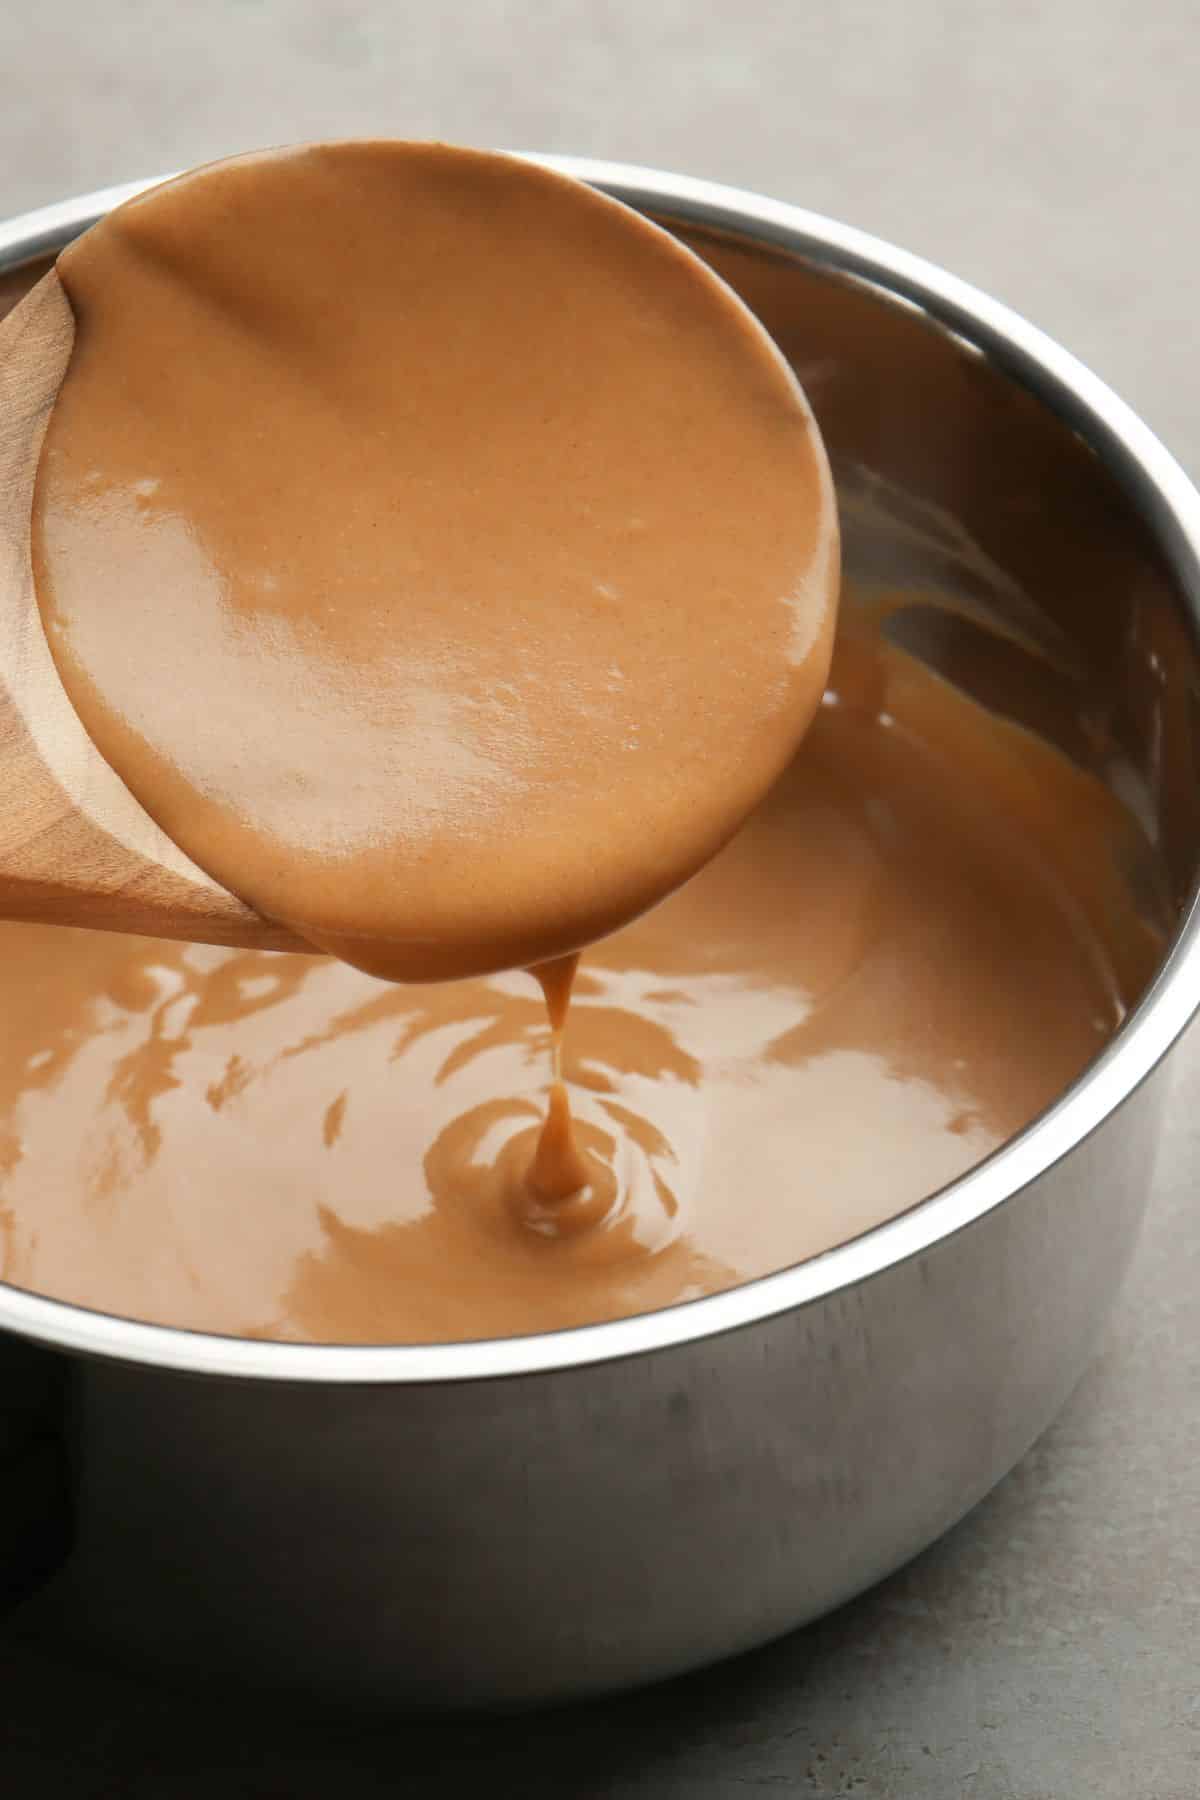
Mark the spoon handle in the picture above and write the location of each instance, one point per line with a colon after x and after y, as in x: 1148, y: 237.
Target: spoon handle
x: 76, y: 847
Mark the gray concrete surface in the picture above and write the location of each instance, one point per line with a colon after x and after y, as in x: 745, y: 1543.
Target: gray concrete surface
x: 1049, y: 1648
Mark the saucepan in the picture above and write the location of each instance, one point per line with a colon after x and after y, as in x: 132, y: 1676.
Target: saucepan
x: 524, y: 1520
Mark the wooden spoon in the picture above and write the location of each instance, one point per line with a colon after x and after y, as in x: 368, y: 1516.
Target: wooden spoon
x: 76, y: 848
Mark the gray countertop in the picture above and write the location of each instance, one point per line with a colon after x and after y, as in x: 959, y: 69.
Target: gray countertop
x: 1049, y: 1647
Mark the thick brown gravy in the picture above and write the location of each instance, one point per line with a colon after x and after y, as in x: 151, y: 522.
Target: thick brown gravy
x: 916, y: 942
x: 414, y: 621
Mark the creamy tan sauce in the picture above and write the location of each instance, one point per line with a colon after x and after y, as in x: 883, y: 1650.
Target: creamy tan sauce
x: 443, y: 555
x: 916, y: 942
x: 448, y: 563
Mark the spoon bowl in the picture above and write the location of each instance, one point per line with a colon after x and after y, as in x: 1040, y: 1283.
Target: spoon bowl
x: 404, y: 623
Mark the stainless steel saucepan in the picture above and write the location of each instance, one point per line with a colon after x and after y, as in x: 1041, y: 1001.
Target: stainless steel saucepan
x: 547, y: 1516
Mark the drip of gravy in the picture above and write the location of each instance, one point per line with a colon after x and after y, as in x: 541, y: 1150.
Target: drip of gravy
x: 560, y: 1171
x: 915, y: 943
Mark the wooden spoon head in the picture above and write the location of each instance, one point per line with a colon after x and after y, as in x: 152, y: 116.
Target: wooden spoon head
x: 75, y: 846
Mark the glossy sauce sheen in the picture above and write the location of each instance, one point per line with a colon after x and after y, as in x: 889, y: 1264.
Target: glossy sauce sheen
x: 442, y: 554
x: 912, y: 947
